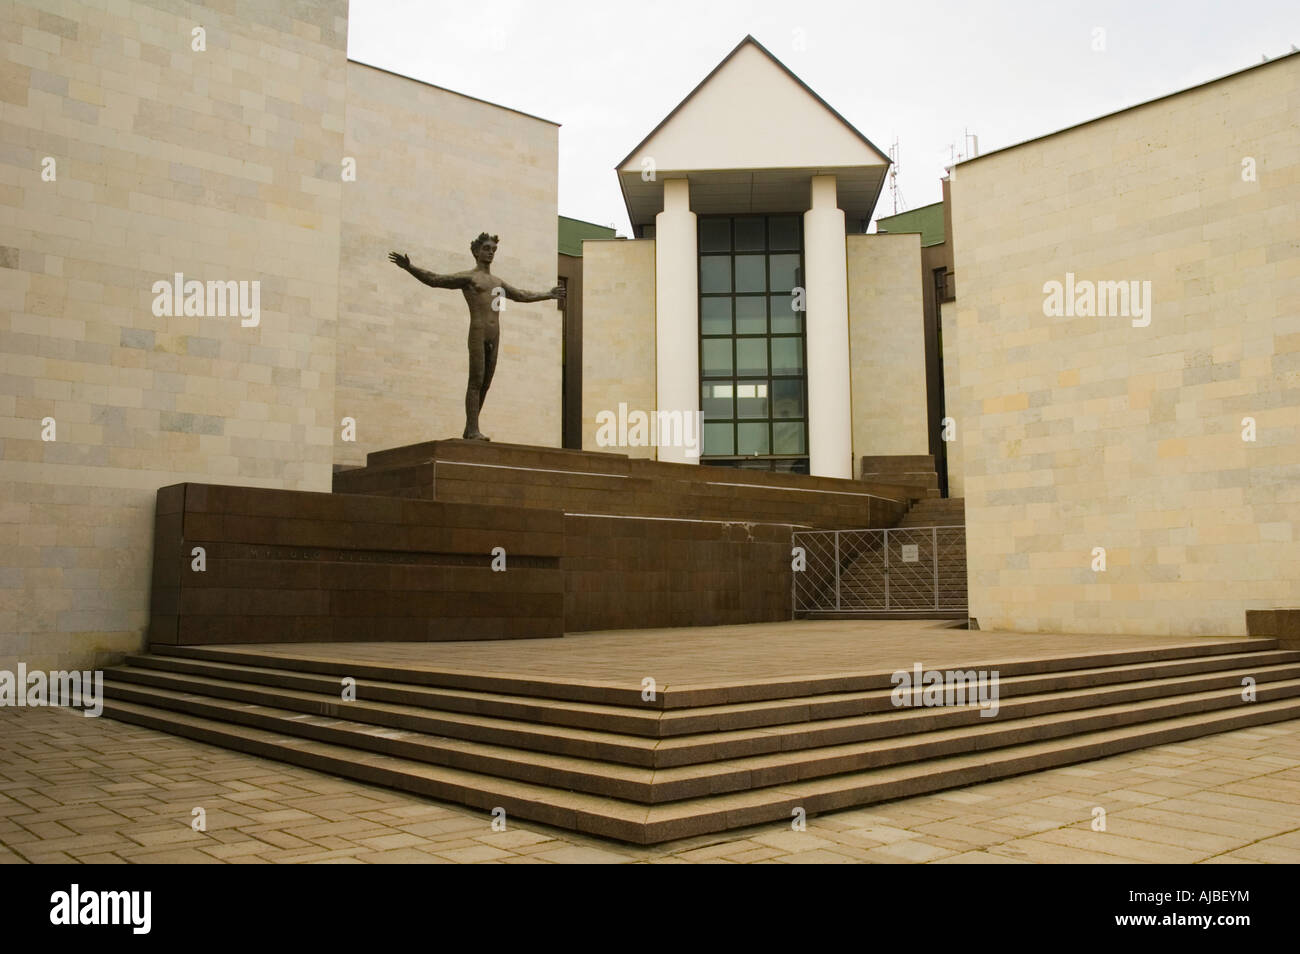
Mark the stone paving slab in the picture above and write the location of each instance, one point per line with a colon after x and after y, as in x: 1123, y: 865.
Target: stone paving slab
x: 96, y: 791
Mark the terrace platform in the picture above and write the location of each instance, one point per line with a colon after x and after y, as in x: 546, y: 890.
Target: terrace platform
x: 404, y: 548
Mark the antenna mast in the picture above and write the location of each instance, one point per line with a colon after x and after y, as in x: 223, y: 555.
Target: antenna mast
x: 893, y: 178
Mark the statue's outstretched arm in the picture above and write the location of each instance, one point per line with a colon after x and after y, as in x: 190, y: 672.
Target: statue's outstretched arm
x: 432, y: 279
x: 518, y: 294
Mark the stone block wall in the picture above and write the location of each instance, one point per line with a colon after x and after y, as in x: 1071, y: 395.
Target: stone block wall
x: 887, y: 345
x: 1104, y: 430
x: 129, y: 156
x: 618, y: 317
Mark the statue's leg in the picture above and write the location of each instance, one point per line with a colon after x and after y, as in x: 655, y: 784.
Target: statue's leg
x: 491, y: 342
x: 491, y: 347
x: 474, y: 388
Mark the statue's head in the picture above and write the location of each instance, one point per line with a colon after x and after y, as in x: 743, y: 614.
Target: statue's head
x: 484, y: 248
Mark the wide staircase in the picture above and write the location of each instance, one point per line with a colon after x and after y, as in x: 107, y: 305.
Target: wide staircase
x: 600, y: 759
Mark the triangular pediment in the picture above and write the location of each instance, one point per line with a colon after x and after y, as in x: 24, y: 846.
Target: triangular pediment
x: 750, y: 115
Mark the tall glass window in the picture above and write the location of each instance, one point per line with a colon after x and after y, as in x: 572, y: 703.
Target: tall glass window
x: 753, y: 386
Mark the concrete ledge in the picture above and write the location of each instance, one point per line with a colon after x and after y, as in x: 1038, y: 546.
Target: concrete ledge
x: 914, y: 471
x: 1280, y: 624
x: 592, y: 482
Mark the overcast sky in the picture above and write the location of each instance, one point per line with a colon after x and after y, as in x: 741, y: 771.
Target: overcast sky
x: 921, y: 73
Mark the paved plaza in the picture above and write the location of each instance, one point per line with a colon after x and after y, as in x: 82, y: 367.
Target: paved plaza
x: 75, y: 789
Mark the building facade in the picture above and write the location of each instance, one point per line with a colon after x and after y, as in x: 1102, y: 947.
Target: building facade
x: 798, y: 339
x: 1135, y: 471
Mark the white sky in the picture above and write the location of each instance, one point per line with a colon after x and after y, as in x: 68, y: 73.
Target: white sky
x: 918, y: 72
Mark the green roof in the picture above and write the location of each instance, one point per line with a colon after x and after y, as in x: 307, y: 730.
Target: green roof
x: 928, y: 220
x: 573, y: 231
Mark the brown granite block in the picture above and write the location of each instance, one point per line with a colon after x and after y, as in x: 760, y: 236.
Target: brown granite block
x: 170, y: 499
x: 200, y: 526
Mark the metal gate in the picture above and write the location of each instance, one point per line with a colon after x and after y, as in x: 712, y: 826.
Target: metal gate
x: 907, y: 570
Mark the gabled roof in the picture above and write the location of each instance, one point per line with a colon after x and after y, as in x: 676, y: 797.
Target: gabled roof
x: 750, y: 41
x: 749, y: 136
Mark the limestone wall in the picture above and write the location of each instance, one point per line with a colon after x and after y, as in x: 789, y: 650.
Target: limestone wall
x: 221, y: 164
x: 1095, y: 432
x: 887, y: 345
x: 951, y: 376
x: 618, y: 320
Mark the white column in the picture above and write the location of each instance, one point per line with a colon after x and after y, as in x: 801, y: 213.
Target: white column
x: 677, y: 321
x: 826, y: 281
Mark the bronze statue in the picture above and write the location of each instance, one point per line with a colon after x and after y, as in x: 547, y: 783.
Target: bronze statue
x: 483, y: 293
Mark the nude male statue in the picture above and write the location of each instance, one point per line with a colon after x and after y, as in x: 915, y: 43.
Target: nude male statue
x: 482, y: 291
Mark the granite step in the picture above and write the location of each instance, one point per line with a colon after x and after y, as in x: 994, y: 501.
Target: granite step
x: 729, y: 771
x: 650, y: 824
x: 692, y: 736
x: 604, y: 745
x: 639, y: 721
x: 694, y: 695
x: 642, y: 720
